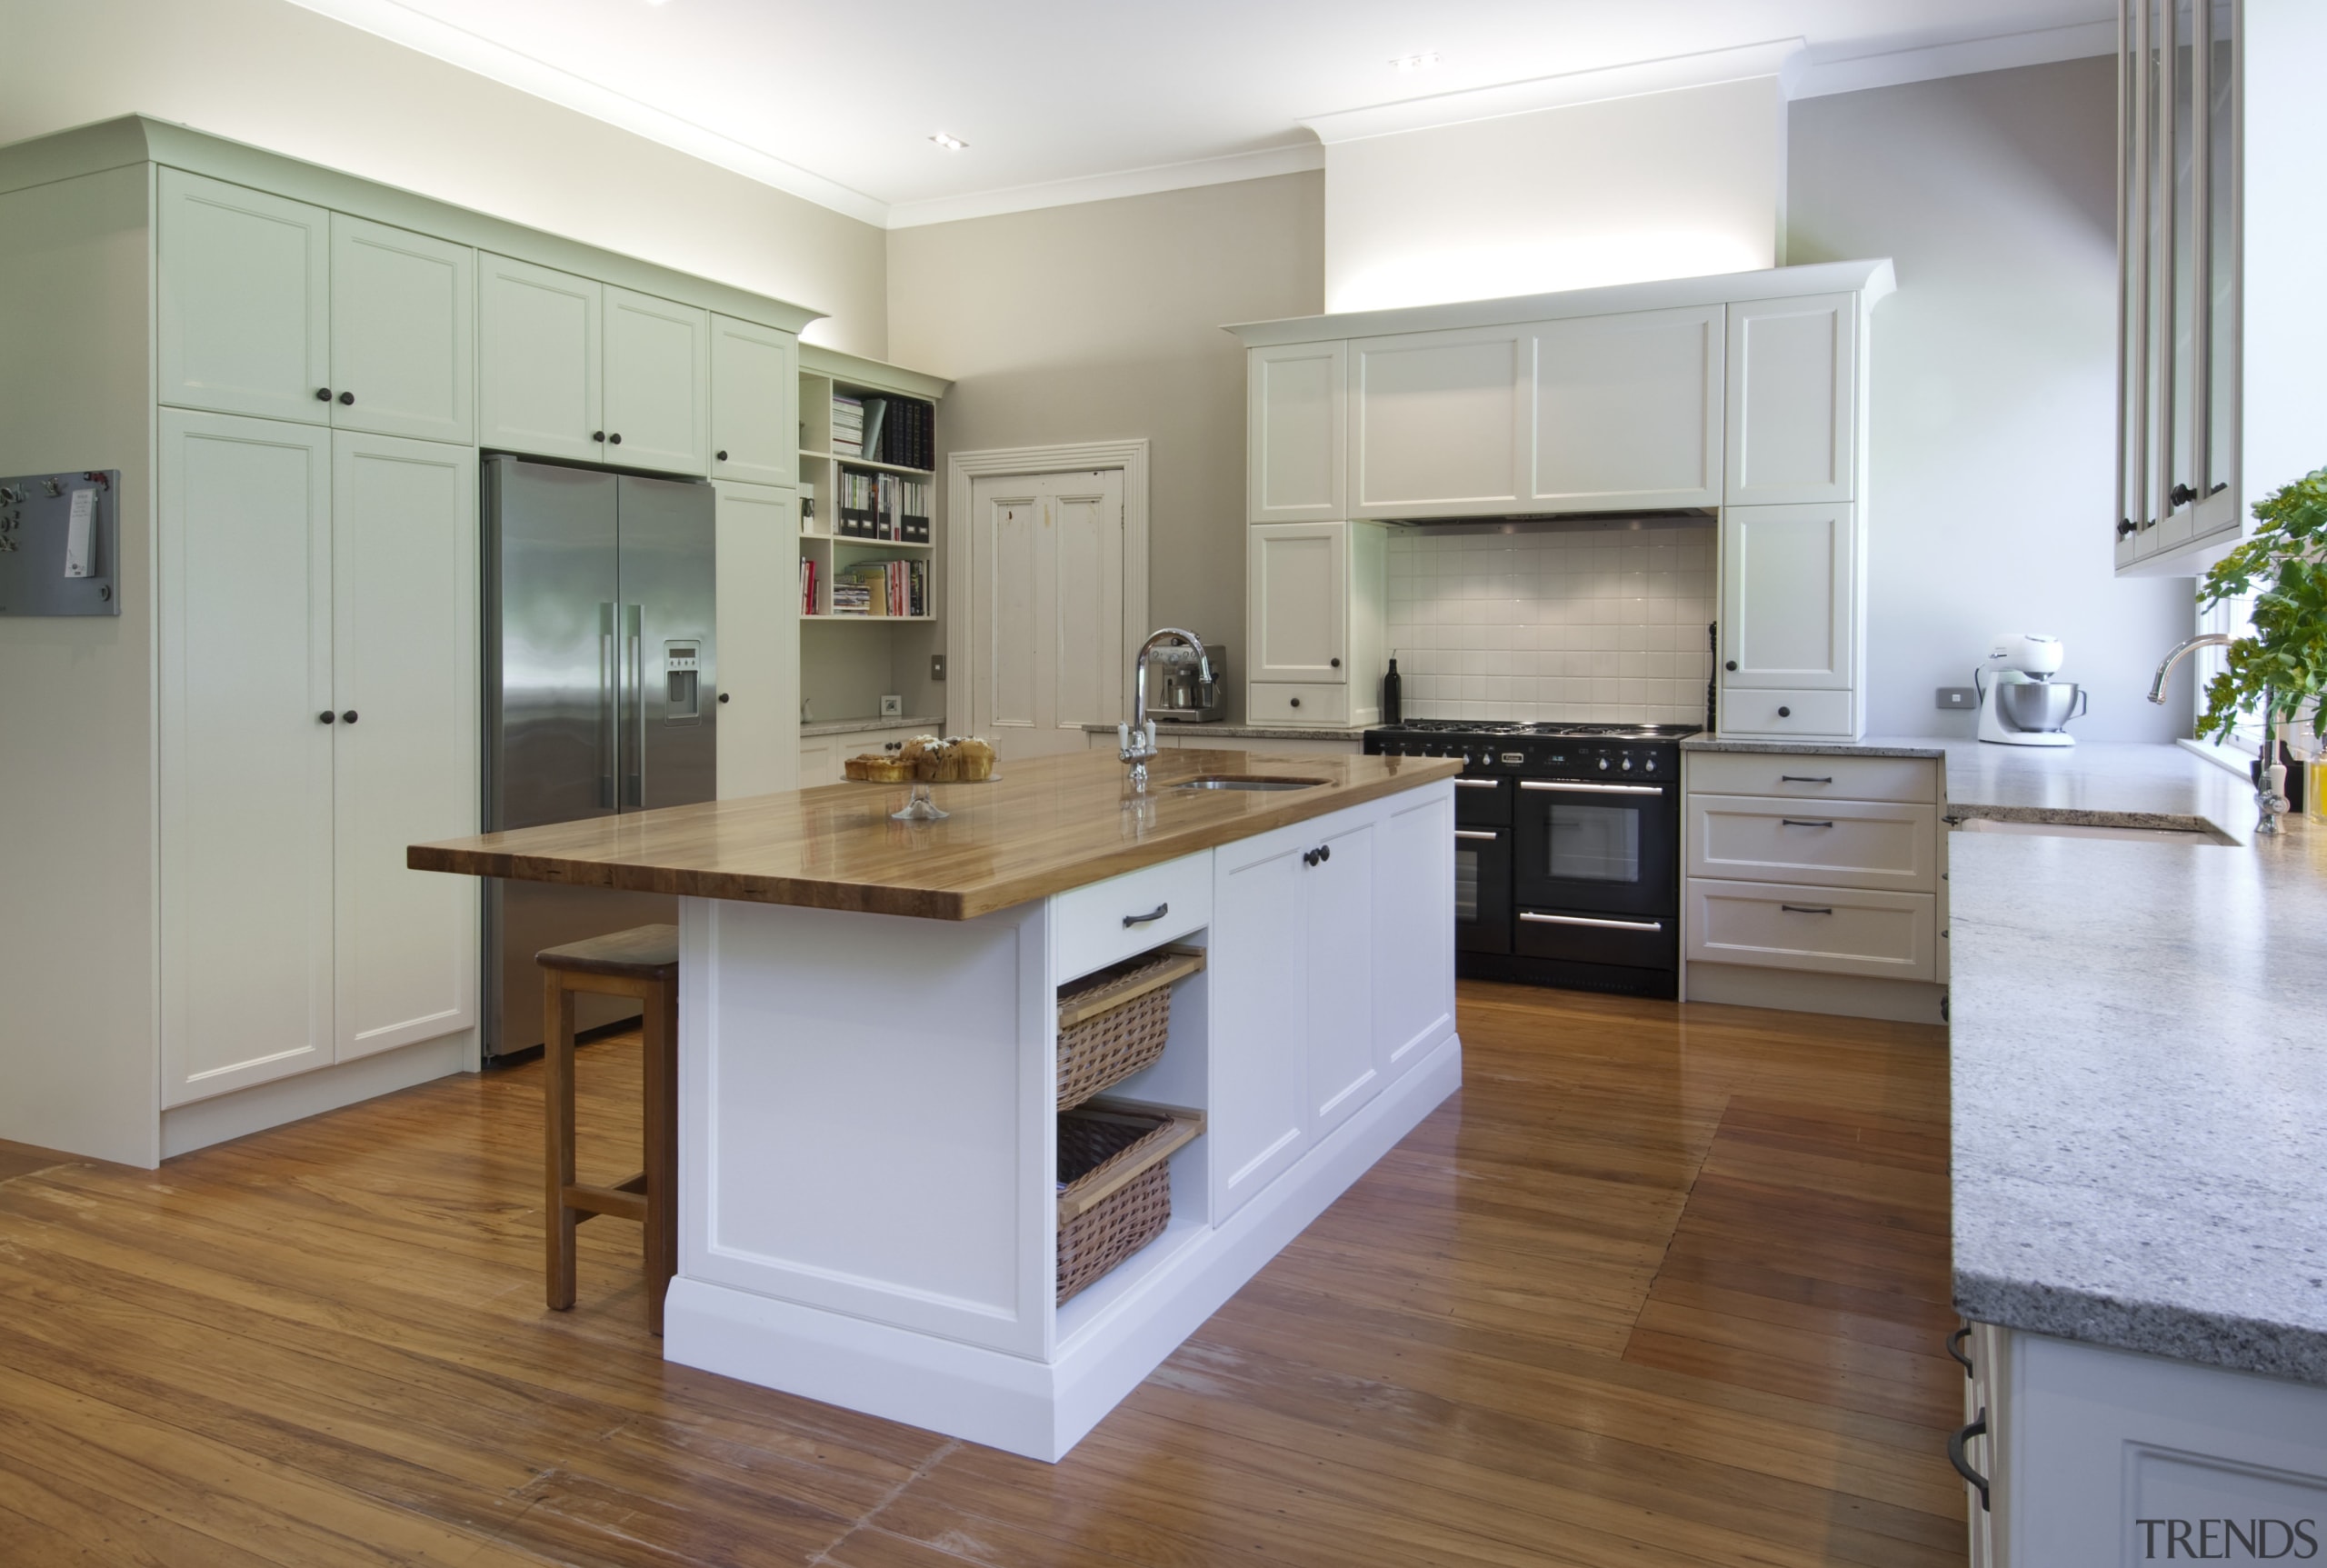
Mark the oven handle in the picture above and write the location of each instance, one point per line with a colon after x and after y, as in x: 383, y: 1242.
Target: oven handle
x: 1590, y: 788
x: 1478, y: 783
x: 1477, y: 833
x: 1530, y: 915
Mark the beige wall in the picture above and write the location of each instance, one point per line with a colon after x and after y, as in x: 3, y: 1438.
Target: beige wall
x: 291, y: 81
x: 1101, y: 321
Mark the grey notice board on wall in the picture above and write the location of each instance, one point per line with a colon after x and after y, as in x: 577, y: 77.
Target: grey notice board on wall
x: 59, y: 542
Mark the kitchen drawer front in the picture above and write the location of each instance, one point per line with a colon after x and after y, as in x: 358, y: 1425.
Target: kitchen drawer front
x: 1829, y: 843
x: 1813, y: 777
x: 1824, y: 714
x: 1089, y: 924
x: 1834, y: 930
x: 1291, y: 702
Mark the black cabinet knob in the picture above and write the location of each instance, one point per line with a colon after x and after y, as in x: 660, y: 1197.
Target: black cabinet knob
x: 721, y: 456
x: 1337, y: 663
x: 2180, y: 494
x: 723, y: 697
x: 325, y: 718
x: 347, y: 399
x: 1785, y: 712
x: 2124, y: 526
x: 597, y: 435
x: 1308, y: 857
x: 348, y: 718
x: 323, y: 394
x: 1731, y: 665
x: 615, y: 439
x: 1325, y: 852
x: 1296, y: 702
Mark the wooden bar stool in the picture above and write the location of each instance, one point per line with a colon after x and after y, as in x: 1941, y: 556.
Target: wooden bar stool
x: 644, y: 963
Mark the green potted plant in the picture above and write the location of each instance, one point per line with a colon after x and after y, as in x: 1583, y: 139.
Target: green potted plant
x: 2281, y: 667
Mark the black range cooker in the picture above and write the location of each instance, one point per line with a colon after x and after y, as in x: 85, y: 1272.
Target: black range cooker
x: 1567, y: 853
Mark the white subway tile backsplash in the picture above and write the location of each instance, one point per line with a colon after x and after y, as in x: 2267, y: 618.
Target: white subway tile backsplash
x: 1552, y: 625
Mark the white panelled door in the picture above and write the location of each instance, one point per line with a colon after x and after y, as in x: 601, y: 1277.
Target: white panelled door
x: 1047, y: 634
x: 1792, y: 400
x: 758, y: 651
x: 658, y: 384
x: 245, y: 570
x: 1787, y: 574
x: 754, y: 390
x: 402, y: 355
x: 404, y: 683
x: 244, y: 306
x: 540, y: 361
x: 1627, y: 410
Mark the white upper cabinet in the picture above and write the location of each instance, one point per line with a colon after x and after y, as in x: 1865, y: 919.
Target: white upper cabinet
x: 244, y: 572
x: 245, y: 306
x: 1300, y: 595
x: 757, y: 543
x: 403, y: 344
x: 658, y: 383
x: 755, y: 386
x: 1436, y: 423
x: 1627, y: 410
x: 1792, y: 400
x: 1787, y: 576
x: 404, y: 683
x: 1295, y: 432
x: 541, y: 363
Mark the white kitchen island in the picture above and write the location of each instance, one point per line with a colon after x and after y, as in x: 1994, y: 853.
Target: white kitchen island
x: 868, y: 1031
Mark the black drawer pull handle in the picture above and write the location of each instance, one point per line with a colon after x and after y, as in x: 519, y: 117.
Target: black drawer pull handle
x: 1153, y: 916
x: 1978, y: 1428
x: 1954, y: 1342
x: 1805, y: 909
x: 1797, y: 821
x: 1803, y: 778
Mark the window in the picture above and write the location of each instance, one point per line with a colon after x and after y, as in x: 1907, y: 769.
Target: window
x: 2235, y: 616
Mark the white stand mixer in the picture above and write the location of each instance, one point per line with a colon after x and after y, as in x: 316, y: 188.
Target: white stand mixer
x: 2019, y: 703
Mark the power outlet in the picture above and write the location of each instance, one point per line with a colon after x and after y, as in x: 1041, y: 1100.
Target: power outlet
x: 936, y: 666
x: 1957, y: 699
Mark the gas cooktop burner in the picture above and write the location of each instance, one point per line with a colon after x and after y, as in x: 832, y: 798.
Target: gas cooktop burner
x: 1579, y: 730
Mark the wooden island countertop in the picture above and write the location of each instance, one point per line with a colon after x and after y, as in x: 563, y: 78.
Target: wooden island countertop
x: 1045, y: 826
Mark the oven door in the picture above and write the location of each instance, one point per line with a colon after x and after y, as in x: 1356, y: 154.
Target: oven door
x: 1590, y: 848
x: 1482, y: 889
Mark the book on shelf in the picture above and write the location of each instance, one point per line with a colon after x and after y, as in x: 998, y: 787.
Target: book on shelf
x: 848, y: 425
x: 885, y: 507
x: 884, y: 587
x: 869, y: 444
x: 807, y: 585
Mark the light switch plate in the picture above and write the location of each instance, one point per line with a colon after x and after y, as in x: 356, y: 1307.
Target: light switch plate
x: 1957, y: 699
x: 936, y: 666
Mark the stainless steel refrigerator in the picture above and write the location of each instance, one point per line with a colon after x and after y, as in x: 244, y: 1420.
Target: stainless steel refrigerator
x: 600, y: 697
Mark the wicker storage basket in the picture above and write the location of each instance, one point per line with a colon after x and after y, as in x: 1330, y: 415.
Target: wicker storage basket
x: 1115, y: 1023
x: 1114, y: 1173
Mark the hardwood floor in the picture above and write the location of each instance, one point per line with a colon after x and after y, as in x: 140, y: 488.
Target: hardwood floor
x: 1661, y: 1286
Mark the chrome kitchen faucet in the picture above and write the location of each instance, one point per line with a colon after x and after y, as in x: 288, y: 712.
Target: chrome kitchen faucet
x: 1136, y: 740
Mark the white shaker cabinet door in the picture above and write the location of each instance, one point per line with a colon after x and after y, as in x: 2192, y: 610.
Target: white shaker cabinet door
x: 1296, y: 432
x: 1300, y: 601
x: 1627, y: 410
x: 403, y: 333
x: 755, y: 386
x: 1259, y: 1114
x: 243, y: 573
x: 244, y: 312
x: 1414, y: 927
x: 1343, y: 1071
x: 757, y: 672
x: 404, y: 682
x: 1792, y: 400
x: 1787, y: 576
x: 540, y: 361
x: 658, y: 384
x: 1436, y: 424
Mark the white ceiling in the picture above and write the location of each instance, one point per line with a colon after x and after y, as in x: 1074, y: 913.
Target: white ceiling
x: 1065, y: 100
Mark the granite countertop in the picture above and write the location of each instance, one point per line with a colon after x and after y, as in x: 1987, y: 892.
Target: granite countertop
x: 1041, y: 825
x: 924, y: 723
x: 1242, y: 732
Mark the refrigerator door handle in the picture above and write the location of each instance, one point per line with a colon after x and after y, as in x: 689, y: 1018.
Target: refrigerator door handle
x: 634, y: 782
x: 609, y: 721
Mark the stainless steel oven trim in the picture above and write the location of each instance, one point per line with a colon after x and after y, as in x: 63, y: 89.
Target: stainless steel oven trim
x: 1531, y: 917
x: 1478, y: 783
x: 1565, y: 788
x: 1490, y: 835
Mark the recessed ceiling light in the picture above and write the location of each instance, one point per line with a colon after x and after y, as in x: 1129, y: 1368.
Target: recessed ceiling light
x: 950, y: 143
x: 1422, y: 62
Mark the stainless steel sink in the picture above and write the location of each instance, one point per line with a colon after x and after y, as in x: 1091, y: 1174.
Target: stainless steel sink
x: 1246, y: 781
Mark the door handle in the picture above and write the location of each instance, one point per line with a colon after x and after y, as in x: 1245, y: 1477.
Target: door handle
x: 1805, y: 778
x: 634, y: 783
x: 1533, y: 918
x: 1807, y: 908
x: 1150, y: 918
x: 1476, y: 833
x: 1797, y: 821
x: 609, y: 722
x: 1954, y: 1342
x: 1478, y: 783
x: 1956, y: 1455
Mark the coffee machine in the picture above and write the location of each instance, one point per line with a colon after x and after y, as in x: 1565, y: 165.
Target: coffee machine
x: 2019, y: 702
x: 1184, y: 690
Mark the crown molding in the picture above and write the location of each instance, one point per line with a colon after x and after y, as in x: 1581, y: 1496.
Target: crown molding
x: 1257, y: 165
x: 512, y: 68
x: 1772, y: 58
x: 1818, y: 78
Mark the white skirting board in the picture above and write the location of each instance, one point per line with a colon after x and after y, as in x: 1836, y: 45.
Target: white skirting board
x: 1035, y: 1408
x: 186, y: 1128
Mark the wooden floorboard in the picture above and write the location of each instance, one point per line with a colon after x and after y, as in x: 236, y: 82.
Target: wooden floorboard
x: 1662, y: 1287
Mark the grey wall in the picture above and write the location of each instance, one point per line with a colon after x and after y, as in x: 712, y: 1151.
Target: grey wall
x: 1101, y: 321
x: 1994, y: 397
x: 295, y: 82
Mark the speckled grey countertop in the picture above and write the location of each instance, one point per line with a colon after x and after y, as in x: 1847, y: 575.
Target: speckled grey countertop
x: 1240, y: 732
x: 926, y: 723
